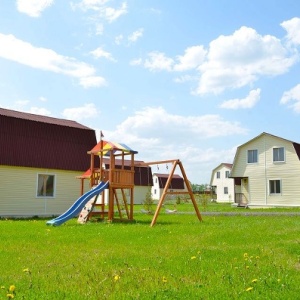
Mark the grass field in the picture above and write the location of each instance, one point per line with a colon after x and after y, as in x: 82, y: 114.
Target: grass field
x: 223, y: 257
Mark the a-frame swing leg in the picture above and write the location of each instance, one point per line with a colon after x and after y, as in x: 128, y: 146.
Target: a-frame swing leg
x: 162, y: 198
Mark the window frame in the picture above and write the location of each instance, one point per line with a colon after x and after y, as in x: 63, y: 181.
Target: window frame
x: 225, y: 190
x: 218, y: 174
x: 252, y: 151
x: 227, y: 174
x: 273, y: 189
x: 278, y: 154
x: 43, y: 184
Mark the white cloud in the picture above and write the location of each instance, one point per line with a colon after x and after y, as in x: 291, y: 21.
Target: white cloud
x: 92, y: 81
x: 111, y: 14
x: 136, y: 35
x: 99, y: 52
x: 39, y: 111
x: 158, y: 61
x: 118, y: 39
x: 159, y: 135
x: 33, y: 8
x: 292, y: 27
x: 292, y: 96
x: 87, y: 111
x: 239, y: 59
x: 247, y: 102
x: 136, y: 62
x: 193, y: 57
x: 47, y: 60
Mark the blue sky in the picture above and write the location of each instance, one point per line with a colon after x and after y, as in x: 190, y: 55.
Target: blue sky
x: 172, y: 79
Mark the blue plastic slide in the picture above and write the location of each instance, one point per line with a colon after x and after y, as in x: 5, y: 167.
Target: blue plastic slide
x: 76, y: 208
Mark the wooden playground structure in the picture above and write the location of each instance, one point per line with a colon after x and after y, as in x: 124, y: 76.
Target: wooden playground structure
x: 121, y: 177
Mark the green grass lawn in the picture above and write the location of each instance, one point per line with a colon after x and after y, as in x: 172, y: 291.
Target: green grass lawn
x: 223, y: 257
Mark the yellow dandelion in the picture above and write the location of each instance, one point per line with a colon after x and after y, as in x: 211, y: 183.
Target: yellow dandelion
x: 2, y: 287
x: 164, y: 279
x: 247, y: 267
x: 245, y: 255
x: 254, y: 280
x: 10, y: 296
x: 249, y: 289
x: 12, y: 288
x: 193, y: 257
x: 116, y: 277
x: 26, y: 270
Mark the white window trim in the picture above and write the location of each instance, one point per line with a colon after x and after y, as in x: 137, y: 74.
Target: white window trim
x: 251, y: 163
x: 54, y: 186
x: 279, y: 161
x: 275, y: 194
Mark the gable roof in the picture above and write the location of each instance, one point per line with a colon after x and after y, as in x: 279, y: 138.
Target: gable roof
x: 177, y: 181
x: 29, y: 140
x: 295, y: 145
x: 226, y: 165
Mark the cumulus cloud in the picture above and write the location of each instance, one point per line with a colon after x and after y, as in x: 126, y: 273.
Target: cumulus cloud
x: 48, y: 60
x: 39, y: 111
x: 136, y: 35
x: 247, y: 102
x: 99, y: 52
x: 86, y: 111
x: 193, y: 57
x: 231, y: 61
x: 33, y: 8
x: 158, y: 61
x: 292, y: 27
x: 292, y: 98
x: 239, y: 59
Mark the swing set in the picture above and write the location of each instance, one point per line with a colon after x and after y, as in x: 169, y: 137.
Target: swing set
x: 168, y: 191
x: 121, y: 177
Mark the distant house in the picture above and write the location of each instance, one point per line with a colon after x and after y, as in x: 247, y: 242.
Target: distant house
x: 40, y: 158
x: 159, y: 183
x: 222, y: 186
x: 266, y: 172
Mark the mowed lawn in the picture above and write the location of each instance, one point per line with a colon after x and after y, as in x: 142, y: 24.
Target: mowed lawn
x: 223, y: 257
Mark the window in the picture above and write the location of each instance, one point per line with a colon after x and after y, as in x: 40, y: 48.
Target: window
x: 275, y: 186
x: 226, y: 174
x: 278, y: 154
x: 45, y: 185
x: 252, y: 156
x: 226, y: 190
x: 218, y: 174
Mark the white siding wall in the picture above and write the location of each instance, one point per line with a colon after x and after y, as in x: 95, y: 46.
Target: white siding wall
x: 260, y: 173
x: 221, y: 183
x: 18, y: 192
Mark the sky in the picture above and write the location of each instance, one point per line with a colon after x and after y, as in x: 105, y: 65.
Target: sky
x: 189, y: 80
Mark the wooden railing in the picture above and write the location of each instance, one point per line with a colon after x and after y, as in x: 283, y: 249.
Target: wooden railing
x: 122, y: 177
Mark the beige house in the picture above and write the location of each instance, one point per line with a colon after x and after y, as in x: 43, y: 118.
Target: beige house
x: 222, y: 186
x: 266, y: 172
x: 40, y: 158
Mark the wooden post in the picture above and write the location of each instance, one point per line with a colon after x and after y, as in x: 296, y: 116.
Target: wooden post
x: 162, y: 198
x: 190, y: 190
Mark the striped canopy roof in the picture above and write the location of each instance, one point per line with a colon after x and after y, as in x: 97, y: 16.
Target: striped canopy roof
x: 111, y: 146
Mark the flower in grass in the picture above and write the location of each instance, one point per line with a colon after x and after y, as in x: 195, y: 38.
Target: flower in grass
x: 116, y: 277
x: 193, y: 257
x: 254, y: 280
x: 249, y: 289
x: 247, y: 267
x: 2, y: 287
x: 12, y: 288
x: 10, y: 296
x: 26, y: 270
x: 246, y: 255
x: 164, y: 279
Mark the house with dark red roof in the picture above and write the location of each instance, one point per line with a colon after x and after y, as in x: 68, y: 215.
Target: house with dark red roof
x: 40, y: 158
x: 159, y: 182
